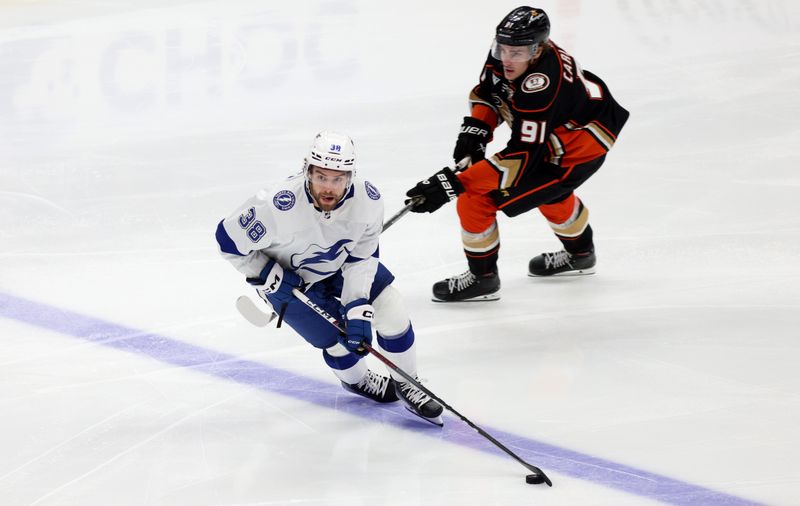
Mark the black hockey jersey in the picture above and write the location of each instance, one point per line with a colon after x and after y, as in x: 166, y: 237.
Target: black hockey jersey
x: 558, y: 112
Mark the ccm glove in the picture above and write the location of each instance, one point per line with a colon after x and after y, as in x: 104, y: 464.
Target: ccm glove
x: 276, y: 281
x: 434, y: 192
x: 358, y: 325
x: 472, y: 140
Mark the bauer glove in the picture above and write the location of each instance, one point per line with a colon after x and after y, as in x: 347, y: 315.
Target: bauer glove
x: 472, y: 140
x: 434, y: 192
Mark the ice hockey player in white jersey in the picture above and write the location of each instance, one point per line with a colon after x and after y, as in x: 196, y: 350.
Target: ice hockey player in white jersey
x: 318, y: 231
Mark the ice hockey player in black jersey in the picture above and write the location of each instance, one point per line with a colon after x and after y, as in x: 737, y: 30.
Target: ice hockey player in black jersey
x: 563, y: 122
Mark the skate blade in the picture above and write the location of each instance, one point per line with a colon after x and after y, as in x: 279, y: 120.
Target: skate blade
x: 435, y: 421
x: 480, y: 298
x: 579, y: 272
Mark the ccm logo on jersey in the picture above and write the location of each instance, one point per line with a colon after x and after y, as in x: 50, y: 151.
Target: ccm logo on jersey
x: 535, y: 82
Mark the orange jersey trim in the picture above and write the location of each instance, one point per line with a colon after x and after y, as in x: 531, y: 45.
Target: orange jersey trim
x: 485, y: 114
x: 572, y: 144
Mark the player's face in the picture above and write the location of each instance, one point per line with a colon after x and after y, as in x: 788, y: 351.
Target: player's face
x: 327, y: 186
x: 516, y: 59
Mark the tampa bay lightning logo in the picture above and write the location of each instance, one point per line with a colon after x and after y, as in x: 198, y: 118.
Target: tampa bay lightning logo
x: 321, y: 260
x: 284, y: 200
x: 372, y: 192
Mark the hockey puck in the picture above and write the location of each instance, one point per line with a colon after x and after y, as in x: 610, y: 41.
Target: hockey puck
x: 534, y: 479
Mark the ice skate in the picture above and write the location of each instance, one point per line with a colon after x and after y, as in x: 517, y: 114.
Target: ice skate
x: 467, y: 287
x: 375, y: 387
x: 419, y: 403
x: 562, y: 263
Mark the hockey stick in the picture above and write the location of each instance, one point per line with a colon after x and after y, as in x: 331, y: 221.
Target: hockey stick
x: 252, y: 313
x: 416, y: 200
x: 260, y: 319
x: 402, y: 212
x: 463, y: 164
x: 538, y: 475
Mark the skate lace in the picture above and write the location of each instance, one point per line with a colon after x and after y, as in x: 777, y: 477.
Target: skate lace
x: 413, y: 394
x: 374, y: 384
x: 458, y: 283
x: 557, y: 259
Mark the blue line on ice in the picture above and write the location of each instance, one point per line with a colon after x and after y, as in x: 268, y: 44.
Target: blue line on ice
x: 552, y: 459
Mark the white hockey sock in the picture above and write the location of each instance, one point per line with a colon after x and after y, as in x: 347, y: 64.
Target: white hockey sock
x: 405, y: 360
x: 350, y: 375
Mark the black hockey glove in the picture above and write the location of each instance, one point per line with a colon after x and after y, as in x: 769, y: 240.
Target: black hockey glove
x: 436, y: 191
x: 472, y: 140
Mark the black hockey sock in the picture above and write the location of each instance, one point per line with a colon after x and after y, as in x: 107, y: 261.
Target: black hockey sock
x: 581, y: 244
x: 484, y: 264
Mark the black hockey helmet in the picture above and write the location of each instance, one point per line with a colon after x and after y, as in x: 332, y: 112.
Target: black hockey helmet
x: 523, y: 26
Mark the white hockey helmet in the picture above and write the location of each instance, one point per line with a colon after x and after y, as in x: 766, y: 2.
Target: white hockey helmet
x: 332, y: 150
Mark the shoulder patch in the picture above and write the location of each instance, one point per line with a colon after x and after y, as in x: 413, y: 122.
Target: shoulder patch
x: 535, y: 82
x: 372, y: 192
x: 284, y: 200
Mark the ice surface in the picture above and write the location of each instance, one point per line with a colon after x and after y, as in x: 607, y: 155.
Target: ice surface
x: 129, y: 129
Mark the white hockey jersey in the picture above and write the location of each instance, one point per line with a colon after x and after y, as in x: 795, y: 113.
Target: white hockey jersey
x: 282, y: 223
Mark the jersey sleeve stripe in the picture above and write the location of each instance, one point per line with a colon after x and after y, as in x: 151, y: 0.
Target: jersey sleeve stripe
x: 486, y: 114
x: 474, y: 100
x: 353, y: 259
x: 225, y: 242
x: 598, y: 131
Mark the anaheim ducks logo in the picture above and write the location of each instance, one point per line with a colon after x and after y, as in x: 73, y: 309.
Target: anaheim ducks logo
x: 535, y: 82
